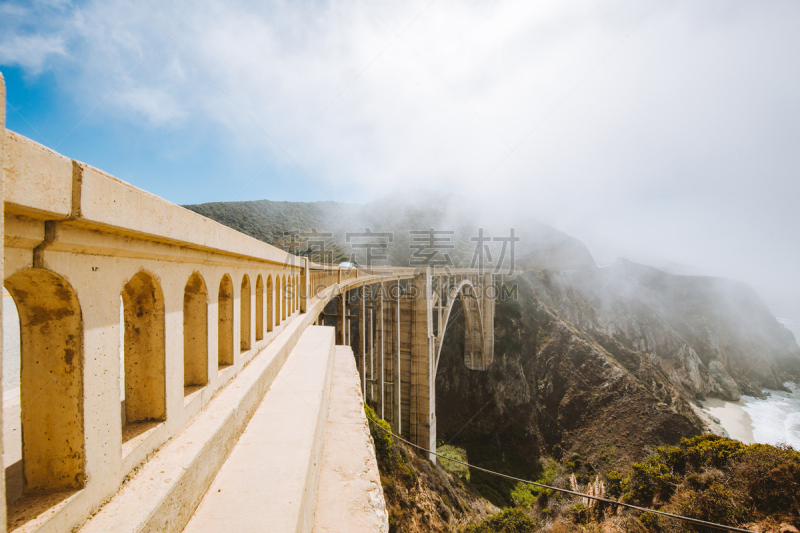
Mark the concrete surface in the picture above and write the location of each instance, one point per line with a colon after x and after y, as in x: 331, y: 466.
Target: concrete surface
x: 269, y: 481
x: 163, y: 492
x: 350, y: 498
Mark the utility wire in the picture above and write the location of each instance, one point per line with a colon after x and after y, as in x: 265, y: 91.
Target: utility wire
x: 696, y: 521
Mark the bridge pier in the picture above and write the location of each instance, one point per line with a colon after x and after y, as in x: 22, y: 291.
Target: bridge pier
x: 401, y: 325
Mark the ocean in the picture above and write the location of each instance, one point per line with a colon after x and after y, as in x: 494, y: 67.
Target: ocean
x: 792, y: 325
x: 771, y: 420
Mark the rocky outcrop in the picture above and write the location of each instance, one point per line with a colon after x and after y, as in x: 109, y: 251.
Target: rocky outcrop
x: 607, y: 364
x: 711, y: 336
x: 557, y: 390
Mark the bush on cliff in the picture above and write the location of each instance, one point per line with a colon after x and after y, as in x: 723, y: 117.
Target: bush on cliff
x: 509, y: 521
x: 719, y: 480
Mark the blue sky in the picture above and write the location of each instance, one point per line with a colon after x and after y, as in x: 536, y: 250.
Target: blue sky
x: 653, y: 130
x: 185, y: 164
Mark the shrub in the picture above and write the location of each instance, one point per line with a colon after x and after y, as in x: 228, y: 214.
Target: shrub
x: 649, y: 480
x: 769, y: 478
x: 714, y: 504
x: 613, y: 481
x: 578, y: 513
x: 650, y: 522
x: 711, y: 451
x: 459, y: 454
x: 384, y: 443
x: 523, y: 494
x: 390, y: 459
x: 509, y: 521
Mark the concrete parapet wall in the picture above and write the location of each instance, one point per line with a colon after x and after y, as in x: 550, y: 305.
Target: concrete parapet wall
x: 45, y: 185
x: 97, y: 237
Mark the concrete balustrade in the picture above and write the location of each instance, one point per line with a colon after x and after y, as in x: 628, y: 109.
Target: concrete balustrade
x: 76, y: 241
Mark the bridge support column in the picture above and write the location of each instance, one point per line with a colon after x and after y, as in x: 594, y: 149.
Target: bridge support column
x: 422, y: 413
x: 380, y: 328
x: 488, y: 294
x: 388, y: 363
x: 362, y: 338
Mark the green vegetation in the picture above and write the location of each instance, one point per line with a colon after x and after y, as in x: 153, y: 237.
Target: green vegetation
x: 502, y: 492
x: 391, y: 462
x: 524, y: 494
x: 716, y: 479
x: 454, y: 468
x: 509, y: 521
x: 707, y: 477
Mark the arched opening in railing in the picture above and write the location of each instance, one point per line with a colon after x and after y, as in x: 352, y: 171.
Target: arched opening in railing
x: 244, y: 314
x: 225, y: 323
x: 195, y: 334
x: 278, y: 299
x: 292, y: 295
x: 259, y: 308
x: 270, y: 303
x: 303, y: 291
x: 49, y: 414
x: 284, y: 298
x: 144, y: 355
x: 296, y: 292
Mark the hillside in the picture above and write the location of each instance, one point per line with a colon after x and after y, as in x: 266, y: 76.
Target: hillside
x: 540, y: 246
x: 574, y: 388
x: 589, y: 363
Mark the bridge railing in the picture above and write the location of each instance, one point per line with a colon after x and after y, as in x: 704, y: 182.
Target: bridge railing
x: 133, y: 313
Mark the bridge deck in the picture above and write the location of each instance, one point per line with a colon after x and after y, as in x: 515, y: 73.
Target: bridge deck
x: 269, y: 481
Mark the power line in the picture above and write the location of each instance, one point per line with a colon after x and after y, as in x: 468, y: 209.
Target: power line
x: 696, y: 521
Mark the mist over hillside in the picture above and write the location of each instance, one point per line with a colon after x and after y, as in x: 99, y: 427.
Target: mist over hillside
x: 711, y: 336
x: 539, y: 247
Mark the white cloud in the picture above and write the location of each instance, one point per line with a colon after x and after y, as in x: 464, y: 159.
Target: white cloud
x: 30, y: 51
x: 616, y: 139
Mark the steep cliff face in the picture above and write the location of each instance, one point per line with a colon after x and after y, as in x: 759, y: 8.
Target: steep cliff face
x: 711, y: 336
x: 422, y: 496
x: 556, y: 390
x: 607, y: 364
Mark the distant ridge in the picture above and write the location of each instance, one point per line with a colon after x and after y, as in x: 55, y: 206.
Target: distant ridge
x: 540, y: 246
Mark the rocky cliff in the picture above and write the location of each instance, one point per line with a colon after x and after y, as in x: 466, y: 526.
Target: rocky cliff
x: 710, y: 336
x: 607, y: 364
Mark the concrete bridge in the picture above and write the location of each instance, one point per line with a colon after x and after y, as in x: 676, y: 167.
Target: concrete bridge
x: 178, y: 375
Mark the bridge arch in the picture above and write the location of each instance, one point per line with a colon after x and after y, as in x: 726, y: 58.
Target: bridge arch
x: 474, y: 342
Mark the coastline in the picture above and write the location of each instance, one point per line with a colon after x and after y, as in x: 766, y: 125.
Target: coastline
x: 774, y: 419
x: 733, y: 418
